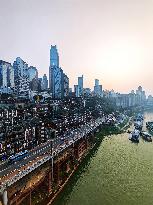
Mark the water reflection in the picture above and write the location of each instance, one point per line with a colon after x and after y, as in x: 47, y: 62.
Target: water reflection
x: 118, y: 173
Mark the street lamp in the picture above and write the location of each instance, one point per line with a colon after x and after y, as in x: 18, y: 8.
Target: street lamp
x: 52, y: 159
x: 30, y: 193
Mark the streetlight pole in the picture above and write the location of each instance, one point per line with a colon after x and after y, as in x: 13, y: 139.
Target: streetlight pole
x: 52, y: 160
x: 30, y: 193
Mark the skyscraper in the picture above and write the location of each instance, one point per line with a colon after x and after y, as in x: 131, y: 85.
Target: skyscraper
x: 33, y: 78
x: 54, y: 73
x: 54, y: 64
x: 32, y: 72
x: 65, y: 85
x: 80, y: 85
x: 45, y: 82
x: 141, y: 96
x: 76, y: 90
x: 96, y: 82
x: 6, y: 75
x: 58, y: 81
x: 21, y: 77
x: 54, y: 57
x: 98, y: 89
x: 35, y: 85
x: 40, y: 80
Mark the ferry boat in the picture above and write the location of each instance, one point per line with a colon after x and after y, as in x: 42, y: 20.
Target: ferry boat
x: 138, y: 125
x: 139, y: 117
x: 146, y: 136
x: 134, y: 136
x: 138, y: 122
x: 149, y: 126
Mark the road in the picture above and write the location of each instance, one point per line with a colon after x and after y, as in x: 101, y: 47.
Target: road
x: 42, y: 152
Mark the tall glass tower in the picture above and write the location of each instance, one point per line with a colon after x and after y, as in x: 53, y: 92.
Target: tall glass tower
x: 58, y: 80
x: 32, y: 72
x: 80, y: 85
x: 55, y: 74
x: 54, y: 57
x: 45, y: 82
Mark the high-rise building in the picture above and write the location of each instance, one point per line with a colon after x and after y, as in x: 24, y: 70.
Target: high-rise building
x: 80, y: 85
x: 21, y: 77
x: 6, y: 75
x: 141, y: 96
x: 40, y: 80
x: 45, y: 82
x: 98, y: 89
x: 32, y: 72
x: 58, y: 81
x: 35, y: 85
x: 140, y: 89
x: 87, y: 92
x: 65, y: 85
x: 54, y: 57
x: 70, y: 90
x: 76, y: 90
x: 150, y: 100
x: 55, y: 73
x: 96, y: 82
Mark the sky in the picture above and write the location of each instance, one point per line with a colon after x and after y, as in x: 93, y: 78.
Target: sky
x: 111, y: 40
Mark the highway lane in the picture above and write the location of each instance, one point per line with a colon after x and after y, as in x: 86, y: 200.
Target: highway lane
x: 23, y: 171
x: 36, y: 151
x: 32, y: 155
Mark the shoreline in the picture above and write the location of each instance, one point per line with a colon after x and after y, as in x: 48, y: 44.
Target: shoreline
x: 99, y: 137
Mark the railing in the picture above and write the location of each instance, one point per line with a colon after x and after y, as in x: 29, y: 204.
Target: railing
x: 77, y: 135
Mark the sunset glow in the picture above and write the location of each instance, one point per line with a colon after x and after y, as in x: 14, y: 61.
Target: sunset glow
x: 111, y: 40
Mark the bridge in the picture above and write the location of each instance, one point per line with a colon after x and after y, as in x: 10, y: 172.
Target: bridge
x: 54, y: 155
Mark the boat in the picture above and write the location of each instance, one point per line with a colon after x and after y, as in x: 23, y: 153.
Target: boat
x: 134, y: 136
x: 138, y: 125
x: 149, y: 126
x: 146, y: 136
x: 139, y: 117
x: 138, y: 122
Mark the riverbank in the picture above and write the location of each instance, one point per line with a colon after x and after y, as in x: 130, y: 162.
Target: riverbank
x: 105, y: 131
x: 110, y: 130
x: 113, y: 174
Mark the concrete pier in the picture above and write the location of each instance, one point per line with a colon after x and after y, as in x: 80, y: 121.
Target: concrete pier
x: 5, y: 198
x: 49, y: 177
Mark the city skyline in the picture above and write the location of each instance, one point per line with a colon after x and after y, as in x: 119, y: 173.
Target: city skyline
x: 113, y: 46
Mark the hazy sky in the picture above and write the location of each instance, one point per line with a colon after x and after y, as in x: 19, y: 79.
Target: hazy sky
x: 111, y: 40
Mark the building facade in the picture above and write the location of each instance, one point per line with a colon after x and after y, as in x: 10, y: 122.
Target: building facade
x: 132, y: 99
x: 21, y: 78
x: 98, y: 89
x: 45, y: 82
x: 58, y: 81
x: 65, y: 85
x: 6, y: 77
x: 35, y: 85
x: 80, y: 85
x: 87, y: 92
x: 33, y: 73
x: 55, y: 74
x: 76, y: 90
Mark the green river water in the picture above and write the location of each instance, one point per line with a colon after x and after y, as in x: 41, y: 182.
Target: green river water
x: 118, y: 173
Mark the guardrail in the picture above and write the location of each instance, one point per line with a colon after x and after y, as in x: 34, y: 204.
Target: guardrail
x: 87, y: 129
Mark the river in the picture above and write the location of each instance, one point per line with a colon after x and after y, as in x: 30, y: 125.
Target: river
x: 118, y: 173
